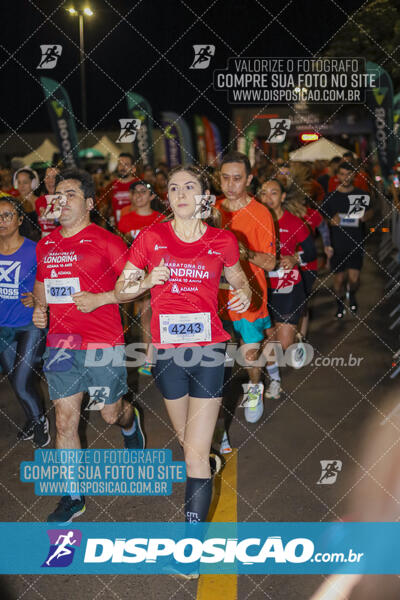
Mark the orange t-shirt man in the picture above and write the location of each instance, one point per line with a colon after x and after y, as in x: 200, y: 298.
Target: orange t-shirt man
x: 254, y: 227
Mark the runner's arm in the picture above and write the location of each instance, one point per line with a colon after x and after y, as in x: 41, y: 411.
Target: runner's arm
x: 367, y: 215
x: 39, y: 317
x: 133, y: 281
x: 241, y: 297
x: 265, y: 260
x: 39, y: 295
x: 236, y: 277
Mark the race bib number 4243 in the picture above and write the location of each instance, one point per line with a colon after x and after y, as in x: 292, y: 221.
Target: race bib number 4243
x: 59, y: 291
x: 184, y: 328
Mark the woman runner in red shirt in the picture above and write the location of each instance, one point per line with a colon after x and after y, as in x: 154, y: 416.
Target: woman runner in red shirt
x: 181, y: 261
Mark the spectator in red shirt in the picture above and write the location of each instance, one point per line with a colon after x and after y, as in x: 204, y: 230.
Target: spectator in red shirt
x: 46, y: 225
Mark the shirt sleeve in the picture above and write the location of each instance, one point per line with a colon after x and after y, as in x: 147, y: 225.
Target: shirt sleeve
x: 231, y: 250
x: 39, y: 271
x: 137, y: 254
x: 264, y: 236
x: 302, y: 232
x: 122, y: 225
x: 117, y: 254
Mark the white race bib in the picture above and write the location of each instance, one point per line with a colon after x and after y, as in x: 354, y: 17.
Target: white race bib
x: 346, y: 221
x: 59, y: 291
x: 184, y: 328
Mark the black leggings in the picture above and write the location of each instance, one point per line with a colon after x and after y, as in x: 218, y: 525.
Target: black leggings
x: 20, y: 362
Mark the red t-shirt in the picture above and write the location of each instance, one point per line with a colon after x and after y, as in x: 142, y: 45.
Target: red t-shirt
x: 254, y: 227
x: 12, y: 192
x: 91, y: 260
x: 120, y: 196
x: 292, y: 232
x: 313, y: 219
x: 46, y: 225
x: 133, y: 223
x: 192, y: 289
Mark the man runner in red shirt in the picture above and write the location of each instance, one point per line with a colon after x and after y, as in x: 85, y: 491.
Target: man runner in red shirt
x: 78, y: 265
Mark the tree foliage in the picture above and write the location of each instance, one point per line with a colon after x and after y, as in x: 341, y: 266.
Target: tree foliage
x: 372, y: 32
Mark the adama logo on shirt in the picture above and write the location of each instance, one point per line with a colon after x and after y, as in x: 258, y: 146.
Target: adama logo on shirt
x: 157, y: 247
x: 213, y: 252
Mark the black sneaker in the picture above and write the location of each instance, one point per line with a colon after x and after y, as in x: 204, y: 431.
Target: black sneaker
x: 353, y: 303
x: 341, y: 311
x: 26, y: 433
x: 41, y: 436
x: 67, y: 509
x: 137, y: 440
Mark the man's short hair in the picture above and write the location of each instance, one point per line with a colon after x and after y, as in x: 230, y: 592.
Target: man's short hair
x: 127, y: 155
x: 237, y: 157
x: 85, y: 180
x: 348, y: 154
x: 346, y: 165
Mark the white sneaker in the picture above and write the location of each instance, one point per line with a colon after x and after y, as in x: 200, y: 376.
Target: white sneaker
x: 225, y: 447
x: 274, y: 390
x: 253, y: 402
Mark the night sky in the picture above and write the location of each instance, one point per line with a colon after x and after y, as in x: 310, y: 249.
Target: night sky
x: 126, y: 41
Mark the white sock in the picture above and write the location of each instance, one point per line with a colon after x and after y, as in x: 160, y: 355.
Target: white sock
x: 273, y: 372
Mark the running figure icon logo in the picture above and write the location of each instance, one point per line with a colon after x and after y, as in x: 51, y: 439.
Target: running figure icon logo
x: 129, y: 129
x: 98, y: 396
x: 63, y: 543
x: 329, y: 471
x: 59, y: 359
x: 50, y: 55
x: 357, y: 205
x: 203, y: 54
x: 278, y: 130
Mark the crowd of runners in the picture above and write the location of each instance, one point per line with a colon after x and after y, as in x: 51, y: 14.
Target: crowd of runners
x: 183, y: 260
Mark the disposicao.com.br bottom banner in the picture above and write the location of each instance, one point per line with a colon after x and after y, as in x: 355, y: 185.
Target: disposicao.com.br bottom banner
x: 248, y: 548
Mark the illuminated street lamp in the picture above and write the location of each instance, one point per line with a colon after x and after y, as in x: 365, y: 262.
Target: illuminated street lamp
x: 85, y: 11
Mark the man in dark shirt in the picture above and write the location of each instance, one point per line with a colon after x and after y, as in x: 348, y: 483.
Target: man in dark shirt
x: 347, y: 209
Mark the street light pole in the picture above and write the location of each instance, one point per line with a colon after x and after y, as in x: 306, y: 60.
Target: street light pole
x: 81, y: 13
x: 82, y: 68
